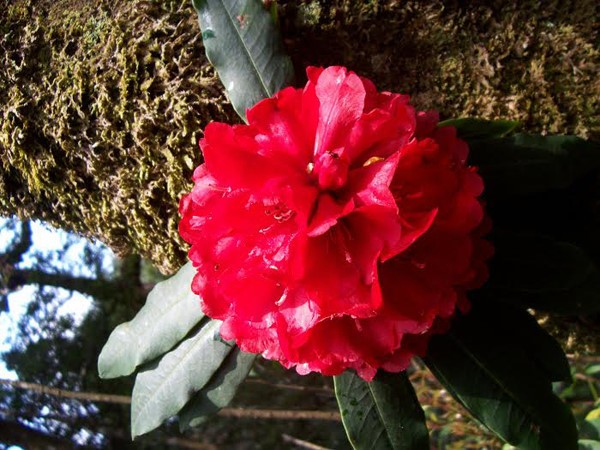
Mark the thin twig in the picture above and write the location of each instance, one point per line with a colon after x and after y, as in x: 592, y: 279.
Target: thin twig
x: 293, y: 387
x: 301, y: 443
x: 280, y: 414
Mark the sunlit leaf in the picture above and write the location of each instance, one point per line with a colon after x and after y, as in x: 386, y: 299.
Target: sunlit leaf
x: 219, y: 391
x: 164, y: 387
x: 170, y: 312
x: 244, y: 45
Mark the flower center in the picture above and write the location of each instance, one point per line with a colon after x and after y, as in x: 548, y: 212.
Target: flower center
x: 280, y: 212
x: 331, y: 170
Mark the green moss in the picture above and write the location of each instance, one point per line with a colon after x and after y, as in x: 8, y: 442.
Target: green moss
x: 536, y: 62
x: 102, y: 105
x: 308, y: 14
x: 100, y: 135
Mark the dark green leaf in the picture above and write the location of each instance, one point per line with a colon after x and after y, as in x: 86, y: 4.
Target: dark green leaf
x: 525, y: 164
x: 542, y: 348
x: 163, y: 388
x: 383, y: 414
x: 170, y: 312
x: 244, y: 45
x: 538, y: 272
x: 484, y: 363
x: 219, y: 391
x: 471, y: 129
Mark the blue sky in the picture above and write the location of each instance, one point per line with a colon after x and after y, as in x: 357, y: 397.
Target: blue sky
x: 46, y: 240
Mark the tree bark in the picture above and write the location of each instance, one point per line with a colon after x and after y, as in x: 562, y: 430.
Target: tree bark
x: 110, y: 151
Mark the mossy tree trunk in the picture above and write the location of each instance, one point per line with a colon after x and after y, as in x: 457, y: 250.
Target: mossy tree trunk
x: 102, y: 105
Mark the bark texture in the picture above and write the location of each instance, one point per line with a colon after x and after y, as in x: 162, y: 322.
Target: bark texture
x: 102, y: 105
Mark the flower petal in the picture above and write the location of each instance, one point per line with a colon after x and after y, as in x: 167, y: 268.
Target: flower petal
x: 341, y: 97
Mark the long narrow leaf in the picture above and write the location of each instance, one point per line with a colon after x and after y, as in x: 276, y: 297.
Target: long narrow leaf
x: 243, y: 44
x: 483, y: 363
x: 383, y: 414
x: 161, y: 390
x: 170, y: 312
x: 219, y: 391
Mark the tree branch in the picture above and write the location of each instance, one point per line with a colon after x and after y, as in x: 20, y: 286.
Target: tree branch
x: 61, y: 393
x: 280, y: 414
x: 13, y: 255
x: 241, y: 413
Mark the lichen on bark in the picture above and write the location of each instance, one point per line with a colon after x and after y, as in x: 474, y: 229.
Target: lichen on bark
x: 101, y: 108
x: 102, y: 105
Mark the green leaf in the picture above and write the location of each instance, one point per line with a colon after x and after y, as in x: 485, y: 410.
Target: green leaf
x: 542, y: 348
x: 589, y: 444
x: 471, y: 129
x: 163, y: 388
x: 525, y: 164
x: 219, y: 391
x: 244, y: 45
x: 589, y: 429
x: 170, y: 312
x: 383, y: 414
x: 485, y: 364
x: 593, y: 370
x: 537, y: 272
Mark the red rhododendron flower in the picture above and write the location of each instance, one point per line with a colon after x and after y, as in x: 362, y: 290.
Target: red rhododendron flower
x: 337, y: 229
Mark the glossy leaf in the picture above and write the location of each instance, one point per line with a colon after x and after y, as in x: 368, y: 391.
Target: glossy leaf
x: 470, y: 128
x: 219, y: 391
x: 244, y: 45
x: 170, y: 312
x: 532, y: 271
x: 525, y: 164
x: 163, y: 388
x: 383, y: 414
x: 542, y: 348
x: 485, y: 364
